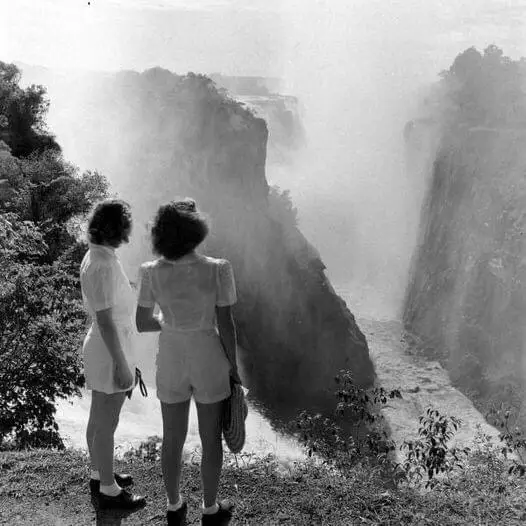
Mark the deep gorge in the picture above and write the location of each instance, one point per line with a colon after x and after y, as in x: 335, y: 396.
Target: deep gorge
x: 158, y: 135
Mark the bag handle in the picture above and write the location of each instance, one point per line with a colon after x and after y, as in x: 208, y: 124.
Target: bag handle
x: 140, y: 381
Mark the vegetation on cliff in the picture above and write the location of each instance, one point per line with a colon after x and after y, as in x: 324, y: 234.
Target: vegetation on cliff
x: 486, y: 89
x: 40, y: 304
x: 436, y: 485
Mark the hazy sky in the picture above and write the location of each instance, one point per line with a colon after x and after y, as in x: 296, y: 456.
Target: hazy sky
x: 112, y: 34
x: 356, y: 66
x: 258, y: 37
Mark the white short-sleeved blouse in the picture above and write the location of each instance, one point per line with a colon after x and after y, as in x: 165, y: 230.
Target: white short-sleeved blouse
x: 105, y: 285
x: 187, y: 290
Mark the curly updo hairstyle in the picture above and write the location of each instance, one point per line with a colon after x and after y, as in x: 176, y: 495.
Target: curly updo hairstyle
x: 110, y: 223
x: 178, y: 228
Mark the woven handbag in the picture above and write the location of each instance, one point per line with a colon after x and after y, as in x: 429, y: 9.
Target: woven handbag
x: 234, y: 416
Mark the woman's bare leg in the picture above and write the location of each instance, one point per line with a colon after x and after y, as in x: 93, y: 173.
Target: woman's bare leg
x: 90, y: 433
x: 104, y: 418
x: 210, y: 420
x: 175, y: 427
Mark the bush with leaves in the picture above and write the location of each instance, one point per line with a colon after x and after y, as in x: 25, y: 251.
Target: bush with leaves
x: 43, y: 320
x: 344, y: 445
x: 430, y: 455
x: 42, y: 330
x: 148, y: 450
x: 22, y: 114
x: 512, y: 437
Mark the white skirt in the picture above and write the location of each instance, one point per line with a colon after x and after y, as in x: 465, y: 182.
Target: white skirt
x: 98, y: 363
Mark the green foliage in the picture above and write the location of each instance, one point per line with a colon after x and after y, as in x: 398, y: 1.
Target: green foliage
x: 50, y: 193
x: 429, y: 460
x: 486, y: 89
x: 41, y: 333
x: 281, y: 207
x: 512, y: 438
x: 43, y: 320
x: 332, y: 439
x: 148, y: 450
x: 22, y: 115
x: 431, y: 455
x: 20, y: 241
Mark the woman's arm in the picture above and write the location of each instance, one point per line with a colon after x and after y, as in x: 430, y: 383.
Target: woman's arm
x: 227, y: 334
x: 123, y: 376
x: 146, y: 321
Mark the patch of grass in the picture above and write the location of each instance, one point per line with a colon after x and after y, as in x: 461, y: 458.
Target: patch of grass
x: 50, y: 488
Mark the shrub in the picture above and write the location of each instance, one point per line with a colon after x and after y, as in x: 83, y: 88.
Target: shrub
x: 148, y: 450
x: 42, y: 329
x: 43, y: 321
x: 332, y: 439
x: 430, y: 455
x: 513, y: 439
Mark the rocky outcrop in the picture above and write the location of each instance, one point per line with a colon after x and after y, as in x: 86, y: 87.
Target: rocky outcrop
x: 282, y: 113
x: 466, y: 297
x: 157, y: 136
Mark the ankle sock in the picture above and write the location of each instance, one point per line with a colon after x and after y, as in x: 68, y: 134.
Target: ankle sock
x: 176, y: 506
x: 111, y: 491
x: 95, y: 475
x: 211, y: 509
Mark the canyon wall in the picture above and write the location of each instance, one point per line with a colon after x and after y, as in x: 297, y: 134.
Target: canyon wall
x: 466, y: 300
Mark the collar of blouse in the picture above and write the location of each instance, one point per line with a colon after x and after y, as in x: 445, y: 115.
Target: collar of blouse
x: 188, y: 258
x: 102, y: 248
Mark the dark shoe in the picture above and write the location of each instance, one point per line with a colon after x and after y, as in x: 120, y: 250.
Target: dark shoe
x: 221, y: 517
x: 124, y: 501
x: 178, y: 517
x: 123, y: 480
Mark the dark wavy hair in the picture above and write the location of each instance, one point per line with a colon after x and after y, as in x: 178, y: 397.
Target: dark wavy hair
x: 178, y: 228
x: 110, y: 223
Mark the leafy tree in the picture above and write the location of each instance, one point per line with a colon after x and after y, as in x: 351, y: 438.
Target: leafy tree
x: 486, y: 89
x: 43, y: 320
x: 22, y: 115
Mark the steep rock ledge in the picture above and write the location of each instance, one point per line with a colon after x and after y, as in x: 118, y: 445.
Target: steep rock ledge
x: 466, y: 296
x: 157, y: 135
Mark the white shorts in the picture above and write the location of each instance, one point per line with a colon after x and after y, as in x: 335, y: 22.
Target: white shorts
x: 98, y: 363
x: 192, y: 363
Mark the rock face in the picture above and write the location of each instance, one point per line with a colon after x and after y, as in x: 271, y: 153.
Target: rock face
x: 157, y: 136
x: 466, y: 296
x: 282, y: 113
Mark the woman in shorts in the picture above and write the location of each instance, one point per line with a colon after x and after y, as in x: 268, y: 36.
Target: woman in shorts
x: 109, y: 361
x: 197, y: 348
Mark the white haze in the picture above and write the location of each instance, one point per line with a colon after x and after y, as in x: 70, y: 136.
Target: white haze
x: 356, y: 66
x: 358, y: 69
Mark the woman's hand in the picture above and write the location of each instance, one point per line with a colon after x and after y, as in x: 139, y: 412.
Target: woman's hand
x: 122, y: 376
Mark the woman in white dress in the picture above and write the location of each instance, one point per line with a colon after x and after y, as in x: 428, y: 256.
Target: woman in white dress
x: 197, y: 348
x: 109, y: 361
